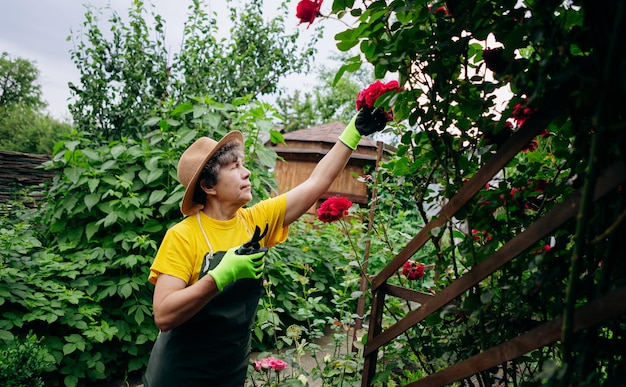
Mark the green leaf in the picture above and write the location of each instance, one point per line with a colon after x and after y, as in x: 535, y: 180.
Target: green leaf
x: 110, y: 219
x: 70, y: 381
x: 91, y: 200
x: 91, y: 229
x: 152, y: 226
x: 139, y: 317
x: 153, y: 163
x: 6, y: 336
x: 126, y: 290
x: 182, y: 108
x: 74, y: 173
x: 346, y: 45
x: 154, y: 175
x: 156, y: 196
x: 69, y: 348
x: 93, y: 184
x: 152, y: 121
x: 117, y: 151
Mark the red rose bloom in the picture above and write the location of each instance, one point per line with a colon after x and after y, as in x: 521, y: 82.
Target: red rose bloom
x: 308, y: 10
x: 521, y: 113
x: 369, y: 95
x: 333, y: 209
x: 413, y: 270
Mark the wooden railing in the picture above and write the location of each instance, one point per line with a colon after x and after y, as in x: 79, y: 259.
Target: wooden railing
x: 592, y: 313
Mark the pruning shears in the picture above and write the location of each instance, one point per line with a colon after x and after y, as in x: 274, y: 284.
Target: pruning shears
x: 253, y: 245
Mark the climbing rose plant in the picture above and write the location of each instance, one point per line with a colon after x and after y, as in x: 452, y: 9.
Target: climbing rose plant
x: 555, y: 64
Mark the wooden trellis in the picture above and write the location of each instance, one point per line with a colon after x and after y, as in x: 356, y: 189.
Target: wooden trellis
x: 590, y: 314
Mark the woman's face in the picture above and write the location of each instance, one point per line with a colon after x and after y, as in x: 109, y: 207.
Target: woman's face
x: 233, y: 183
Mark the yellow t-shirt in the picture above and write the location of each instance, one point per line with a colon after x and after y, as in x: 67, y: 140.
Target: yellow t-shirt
x: 184, y: 246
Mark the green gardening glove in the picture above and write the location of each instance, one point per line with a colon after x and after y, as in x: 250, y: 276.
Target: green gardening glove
x: 367, y: 121
x: 234, y: 267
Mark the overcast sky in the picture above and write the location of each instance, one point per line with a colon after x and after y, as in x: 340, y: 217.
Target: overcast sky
x: 37, y: 30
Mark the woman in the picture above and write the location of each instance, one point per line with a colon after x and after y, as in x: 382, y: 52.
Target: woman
x: 206, y: 293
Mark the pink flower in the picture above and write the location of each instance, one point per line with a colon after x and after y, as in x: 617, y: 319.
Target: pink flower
x: 413, y: 270
x: 308, y: 10
x: 269, y: 363
x: 333, y: 209
x: 369, y: 95
x: 277, y: 364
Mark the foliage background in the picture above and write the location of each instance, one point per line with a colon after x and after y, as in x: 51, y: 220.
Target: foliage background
x: 74, y: 271
x: 559, y: 60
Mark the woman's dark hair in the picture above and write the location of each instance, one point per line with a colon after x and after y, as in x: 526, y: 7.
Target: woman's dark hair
x: 227, y: 154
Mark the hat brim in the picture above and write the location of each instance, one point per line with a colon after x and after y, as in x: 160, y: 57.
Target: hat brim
x: 188, y: 206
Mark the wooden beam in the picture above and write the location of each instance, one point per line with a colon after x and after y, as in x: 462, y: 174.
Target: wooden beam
x: 376, y: 321
x: 521, y: 242
x: 408, y: 294
x: 592, y: 313
x: 513, y: 146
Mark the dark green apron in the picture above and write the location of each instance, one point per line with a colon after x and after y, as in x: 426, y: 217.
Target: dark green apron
x: 213, y: 347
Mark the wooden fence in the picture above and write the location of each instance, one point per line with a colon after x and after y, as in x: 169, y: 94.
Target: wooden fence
x: 592, y: 313
x: 18, y: 171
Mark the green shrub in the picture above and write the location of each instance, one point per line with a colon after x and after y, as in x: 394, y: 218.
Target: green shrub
x: 23, y: 362
x: 77, y: 268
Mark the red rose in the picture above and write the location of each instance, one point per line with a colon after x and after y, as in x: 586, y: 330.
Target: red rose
x: 333, y: 209
x: 539, y: 185
x: 413, y: 270
x: 369, y: 95
x: 307, y: 10
x: 521, y: 113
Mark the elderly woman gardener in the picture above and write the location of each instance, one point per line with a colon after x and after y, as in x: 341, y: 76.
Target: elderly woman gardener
x: 206, y: 288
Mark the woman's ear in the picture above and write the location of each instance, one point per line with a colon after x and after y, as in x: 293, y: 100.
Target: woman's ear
x: 207, y: 190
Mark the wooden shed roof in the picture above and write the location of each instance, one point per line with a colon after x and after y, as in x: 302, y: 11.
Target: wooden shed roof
x: 312, y: 143
x: 325, y: 133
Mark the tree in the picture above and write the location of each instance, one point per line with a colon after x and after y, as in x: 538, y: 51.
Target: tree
x: 329, y: 100
x: 257, y: 54
x: 122, y: 79
x: 125, y: 78
x: 18, y: 83
x: 28, y: 131
x: 23, y: 126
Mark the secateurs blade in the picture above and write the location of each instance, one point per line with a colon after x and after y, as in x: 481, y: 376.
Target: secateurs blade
x: 253, y: 245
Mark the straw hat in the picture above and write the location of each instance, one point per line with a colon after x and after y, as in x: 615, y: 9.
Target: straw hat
x: 193, y: 161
